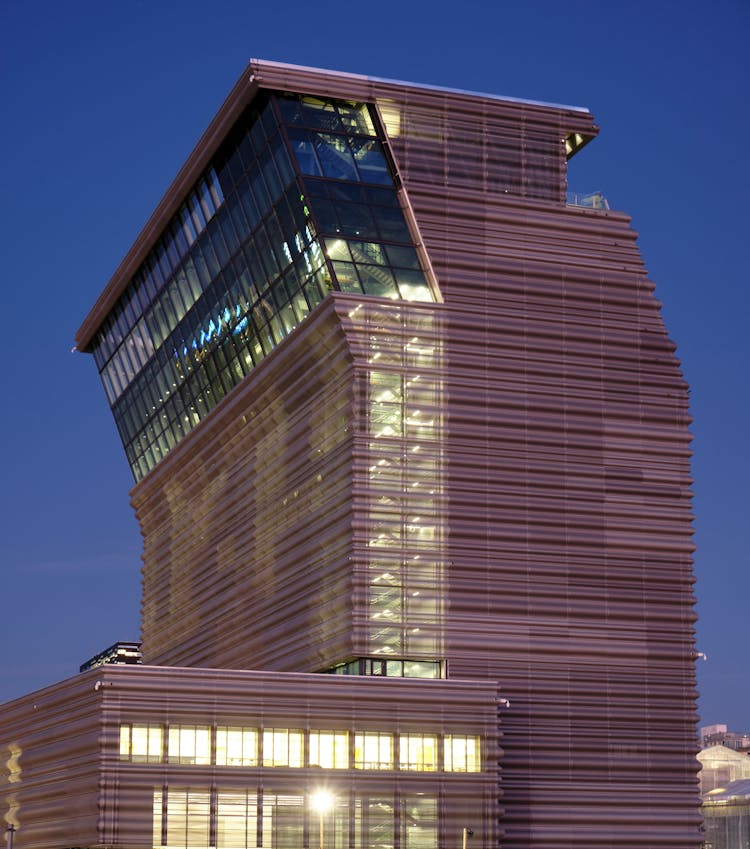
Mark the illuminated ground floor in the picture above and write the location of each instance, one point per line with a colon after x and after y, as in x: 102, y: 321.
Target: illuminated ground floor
x: 135, y: 756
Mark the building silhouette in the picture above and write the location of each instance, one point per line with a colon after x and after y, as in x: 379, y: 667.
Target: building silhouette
x: 411, y: 454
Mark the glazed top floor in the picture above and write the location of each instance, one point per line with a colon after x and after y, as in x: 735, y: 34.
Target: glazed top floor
x: 488, y: 144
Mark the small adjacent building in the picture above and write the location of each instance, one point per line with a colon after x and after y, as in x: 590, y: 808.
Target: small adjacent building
x: 726, y: 813
x: 725, y: 790
x: 162, y: 757
x: 721, y: 765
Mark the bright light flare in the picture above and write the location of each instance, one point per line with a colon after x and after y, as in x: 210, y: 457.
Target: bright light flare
x: 321, y: 801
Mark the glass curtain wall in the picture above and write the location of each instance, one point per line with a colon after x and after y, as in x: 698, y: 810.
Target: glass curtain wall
x: 405, y: 548
x: 249, y: 818
x: 299, y: 200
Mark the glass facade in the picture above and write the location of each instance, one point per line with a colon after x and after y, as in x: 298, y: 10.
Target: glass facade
x: 405, y: 545
x: 390, y: 668
x: 299, y: 200
x: 249, y: 818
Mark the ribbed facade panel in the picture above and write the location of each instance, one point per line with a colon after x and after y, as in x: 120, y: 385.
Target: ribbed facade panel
x: 569, y: 535
x: 269, y: 561
x: 51, y: 766
x: 247, y: 526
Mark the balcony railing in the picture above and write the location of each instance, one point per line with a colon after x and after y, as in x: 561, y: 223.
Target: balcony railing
x: 590, y: 200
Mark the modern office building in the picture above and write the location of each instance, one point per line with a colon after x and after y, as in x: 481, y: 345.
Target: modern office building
x: 412, y: 467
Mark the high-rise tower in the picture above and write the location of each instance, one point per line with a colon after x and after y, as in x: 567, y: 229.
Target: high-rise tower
x: 396, y: 409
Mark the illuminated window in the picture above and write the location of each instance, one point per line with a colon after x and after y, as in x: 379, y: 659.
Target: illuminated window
x: 158, y: 836
x: 282, y: 747
x: 231, y: 819
x: 418, y: 752
x: 329, y: 749
x: 283, y: 820
x: 236, y: 819
x: 236, y: 746
x: 373, y: 750
x: 389, y: 668
x: 189, y: 744
x: 244, y: 227
x: 461, y: 753
x: 185, y: 822
x: 141, y: 743
x: 374, y: 822
x: 418, y: 822
x: 422, y: 669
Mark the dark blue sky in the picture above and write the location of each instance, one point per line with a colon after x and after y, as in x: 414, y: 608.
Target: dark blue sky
x: 102, y: 102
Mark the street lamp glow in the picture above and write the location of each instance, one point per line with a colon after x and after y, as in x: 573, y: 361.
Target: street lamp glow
x: 321, y: 801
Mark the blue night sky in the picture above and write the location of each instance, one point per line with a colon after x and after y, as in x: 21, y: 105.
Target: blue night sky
x: 103, y: 101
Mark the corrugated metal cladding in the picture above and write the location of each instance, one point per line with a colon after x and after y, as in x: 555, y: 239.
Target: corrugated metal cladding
x: 564, y: 504
x: 498, y: 483
x: 568, y: 515
x: 269, y: 538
